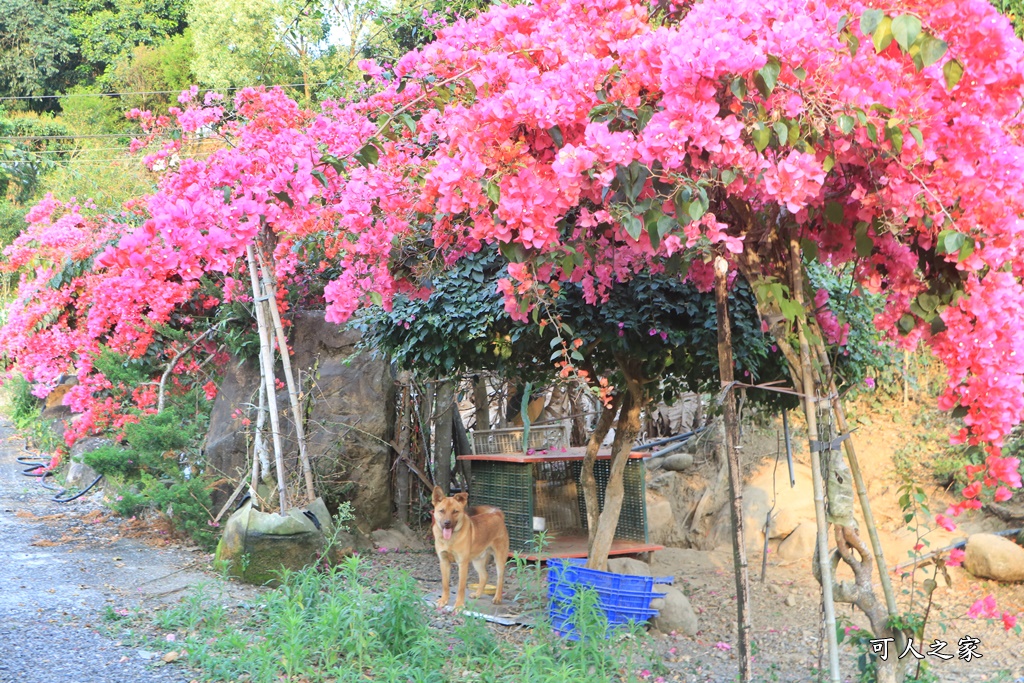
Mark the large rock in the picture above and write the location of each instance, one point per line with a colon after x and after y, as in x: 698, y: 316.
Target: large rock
x: 627, y: 565
x: 398, y: 537
x: 676, y: 613
x: 350, y: 415
x: 79, y: 474
x: 994, y: 557
x: 256, y: 546
x: 661, y: 522
x: 677, y: 462
x: 800, y: 544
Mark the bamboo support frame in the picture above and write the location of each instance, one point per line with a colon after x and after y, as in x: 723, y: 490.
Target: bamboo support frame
x: 270, y: 289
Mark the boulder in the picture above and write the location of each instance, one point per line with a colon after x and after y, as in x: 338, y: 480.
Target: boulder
x: 79, y: 474
x: 628, y: 565
x: 676, y: 614
x: 800, y: 544
x: 350, y: 411
x: 398, y: 537
x: 677, y: 462
x: 994, y: 557
x: 785, y: 521
x: 256, y: 546
x: 660, y: 520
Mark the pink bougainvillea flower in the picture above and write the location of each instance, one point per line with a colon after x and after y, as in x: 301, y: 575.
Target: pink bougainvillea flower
x: 956, y: 557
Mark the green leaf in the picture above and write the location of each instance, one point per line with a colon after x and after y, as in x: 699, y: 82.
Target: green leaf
x: 227, y: 190
x: 950, y: 242
x: 284, y: 198
x: 376, y: 298
x: 368, y: 155
x: 728, y: 175
x: 846, y: 124
x: 767, y: 76
x: 409, y: 122
x: 809, y: 248
x: 761, y: 137
x: 869, y: 20
x: 781, y: 131
x: 556, y: 135
x: 633, y: 226
x: 966, y: 249
x: 834, y: 212
x: 401, y: 86
x: 953, y: 72
x: 907, y: 323
x: 916, y: 133
x: 906, y: 28
x: 864, y: 243
x: 882, y: 37
x: 696, y: 210
x: 894, y: 135
x: 319, y: 175
x: 800, y: 73
x: 738, y: 88
x: 828, y: 164
x: 932, y: 50
x: 493, y: 191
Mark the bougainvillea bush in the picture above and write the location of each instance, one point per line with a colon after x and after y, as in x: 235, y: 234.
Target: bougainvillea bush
x: 592, y: 140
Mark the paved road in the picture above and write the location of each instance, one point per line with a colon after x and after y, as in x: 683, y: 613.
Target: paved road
x: 53, y: 597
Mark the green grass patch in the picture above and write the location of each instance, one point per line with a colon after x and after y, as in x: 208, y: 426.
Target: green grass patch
x: 337, y: 625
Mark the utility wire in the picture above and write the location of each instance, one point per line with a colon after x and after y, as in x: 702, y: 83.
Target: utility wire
x: 156, y: 92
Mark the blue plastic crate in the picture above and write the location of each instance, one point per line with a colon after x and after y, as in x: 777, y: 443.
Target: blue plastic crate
x: 564, y: 591
x: 561, y: 617
x: 571, y: 570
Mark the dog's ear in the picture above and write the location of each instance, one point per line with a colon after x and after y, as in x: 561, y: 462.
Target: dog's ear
x: 462, y: 497
x: 437, y: 496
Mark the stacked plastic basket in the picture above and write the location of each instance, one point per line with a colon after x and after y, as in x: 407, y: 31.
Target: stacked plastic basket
x: 622, y: 598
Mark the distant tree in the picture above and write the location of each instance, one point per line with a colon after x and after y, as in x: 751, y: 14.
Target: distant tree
x: 38, y: 50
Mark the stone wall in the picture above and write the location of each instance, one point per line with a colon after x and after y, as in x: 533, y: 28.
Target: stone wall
x: 349, y: 403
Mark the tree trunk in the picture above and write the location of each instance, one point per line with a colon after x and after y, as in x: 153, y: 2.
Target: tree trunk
x: 462, y: 447
x: 587, y: 480
x: 481, y: 404
x: 626, y: 431
x: 739, y: 549
x: 445, y: 404
x: 810, y: 399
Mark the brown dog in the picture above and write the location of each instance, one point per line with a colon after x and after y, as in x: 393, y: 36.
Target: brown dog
x: 465, y: 535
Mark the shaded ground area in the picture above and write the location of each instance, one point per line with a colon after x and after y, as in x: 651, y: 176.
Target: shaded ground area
x: 80, y: 596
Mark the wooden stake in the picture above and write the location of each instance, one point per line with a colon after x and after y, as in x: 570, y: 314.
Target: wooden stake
x: 270, y: 288
x: 267, y: 375
x: 402, y: 474
x: 739, y: 549
x: 810, y: 398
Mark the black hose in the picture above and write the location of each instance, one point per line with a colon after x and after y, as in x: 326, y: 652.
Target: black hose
x: 34, y: 463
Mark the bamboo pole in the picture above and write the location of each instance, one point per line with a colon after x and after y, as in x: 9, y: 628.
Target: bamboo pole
x: 260, y: 457
x: 810, y: 398
x: 267, y: 375
x: 739, y: 550
x: 270, y: 289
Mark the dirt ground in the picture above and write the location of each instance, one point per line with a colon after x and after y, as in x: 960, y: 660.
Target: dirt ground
x: 72, y: 569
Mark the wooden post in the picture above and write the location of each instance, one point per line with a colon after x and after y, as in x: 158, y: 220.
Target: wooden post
x: 402, y: 473
x: 739, y: 549
x: 445, y: 403
x: 810, y: 399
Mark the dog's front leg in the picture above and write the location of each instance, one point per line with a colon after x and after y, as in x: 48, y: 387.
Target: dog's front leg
x: 460, y: 595
x: 446, y: 575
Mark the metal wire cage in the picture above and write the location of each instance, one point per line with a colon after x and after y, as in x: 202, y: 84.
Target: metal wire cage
x: 542, y: 437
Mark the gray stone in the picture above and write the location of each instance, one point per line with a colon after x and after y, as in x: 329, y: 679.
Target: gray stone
x: 349, y: 426
x: 660, y: 520
x: 791, y: 600
x: 800, y: 544
x: 628, y: 565
x: 88, y: 445
x: 677, y: 614
x: 256, y: 546
x: 398, y: 537
x: 994, y: 557
x: 658, y: 603
x: 677, y: 462
x: 80, y: 475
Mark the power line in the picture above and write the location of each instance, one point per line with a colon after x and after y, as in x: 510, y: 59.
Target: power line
x: 68, y: 137
x: 156, y: 92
